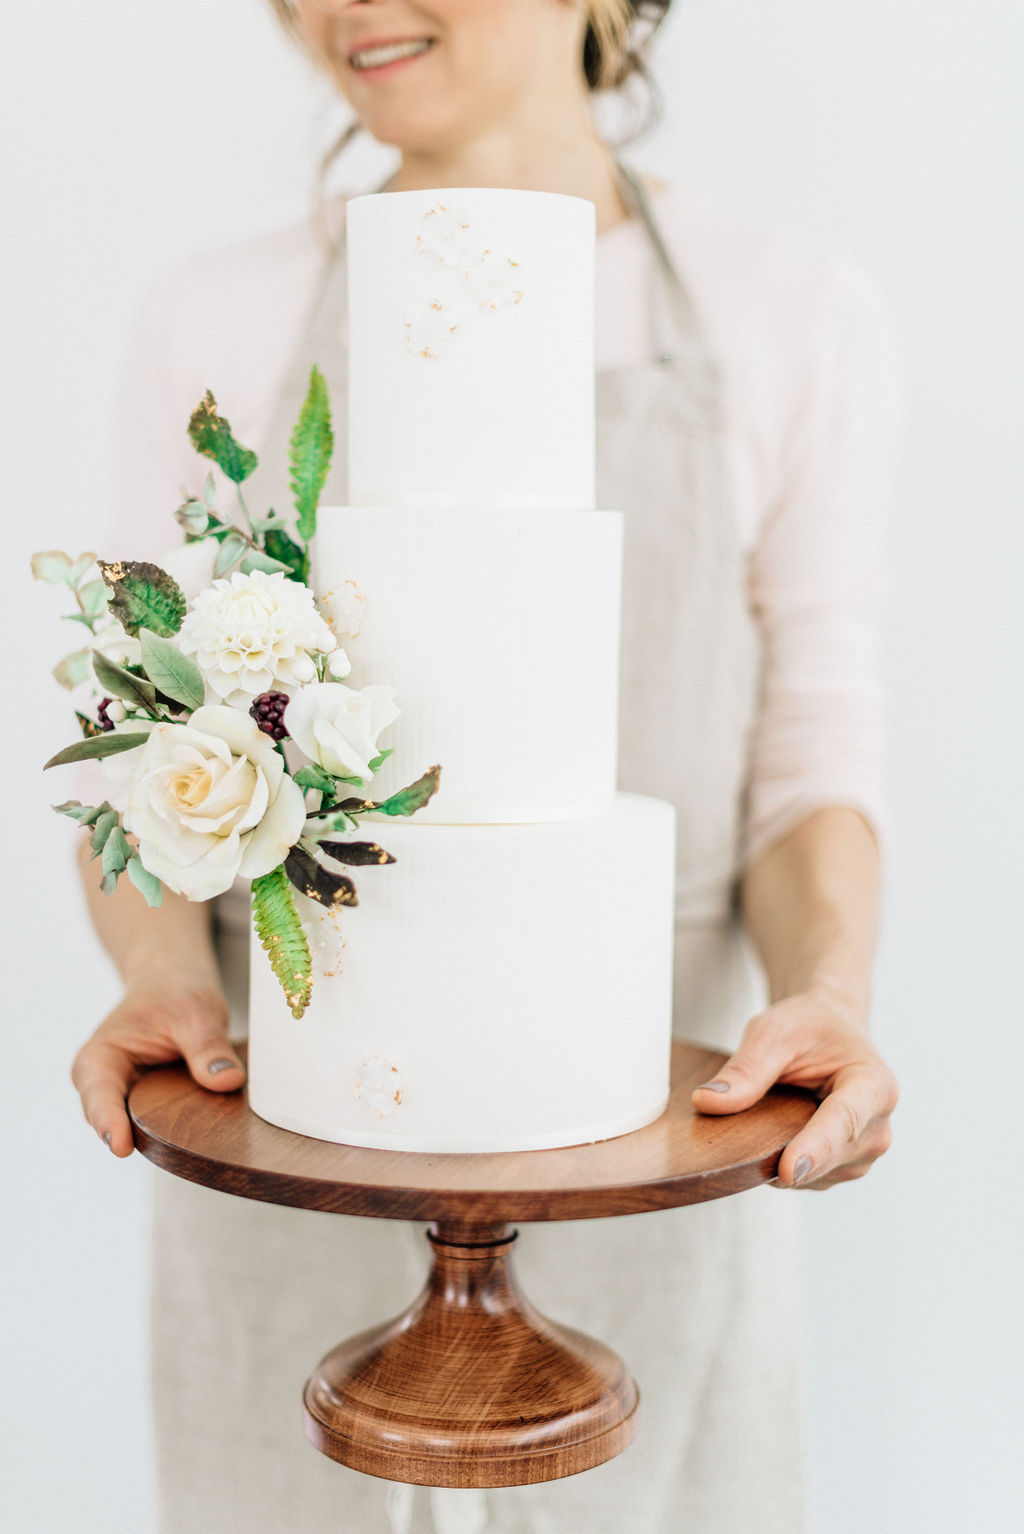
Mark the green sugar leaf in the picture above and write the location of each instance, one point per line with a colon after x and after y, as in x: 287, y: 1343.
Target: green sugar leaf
x: 52, y: 566
x: 72, y: 671
x: 255, y: 559
x: 378, y: 761
x: 408, y: 800
x: 102, y: 829
x: 175, y: 675
x: 284, y: 549
x: 313, y: 776
x: 107, y: 744
x: 230, y: 552
x: 281, y: 933
x: 85, y: 814
x: 312, y: 879
x: 147, y: 884
x: 210, y: 434
x: 123, y: 683
x: 310, y: 454
x: 356, y: 854
x: 143, y: 594
x: 116, y: 852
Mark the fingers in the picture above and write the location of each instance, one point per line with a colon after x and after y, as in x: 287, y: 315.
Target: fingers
x: 202, y: 1033
x: 745, y: 1077
x: 848, y: 1132
x: 104, y: 1074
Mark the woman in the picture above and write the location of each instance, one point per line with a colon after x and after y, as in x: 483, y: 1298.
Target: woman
x: 744, y: 413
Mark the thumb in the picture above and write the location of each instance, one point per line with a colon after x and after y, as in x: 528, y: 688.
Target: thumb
x: 202, y: 1036
x: 746, y: 1076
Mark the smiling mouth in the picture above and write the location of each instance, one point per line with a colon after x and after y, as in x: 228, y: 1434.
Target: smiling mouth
x: 368, y: 59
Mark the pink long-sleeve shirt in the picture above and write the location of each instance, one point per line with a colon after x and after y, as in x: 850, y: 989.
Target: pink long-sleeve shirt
x: 807, y: 362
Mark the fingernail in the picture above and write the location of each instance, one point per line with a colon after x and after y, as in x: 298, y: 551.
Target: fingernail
x: 714, y: 1086
x: 222, y: 1065
x: 801, y: 1169
x: 107, y: 1139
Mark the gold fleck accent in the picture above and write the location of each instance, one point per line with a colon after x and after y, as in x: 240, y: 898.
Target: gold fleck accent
x: 511, y: 262
x: 518, y: 293
x: 435, y: 303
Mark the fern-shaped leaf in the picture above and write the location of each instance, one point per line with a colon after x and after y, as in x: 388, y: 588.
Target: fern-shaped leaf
x: 310, y: 455
x: 280, y: 932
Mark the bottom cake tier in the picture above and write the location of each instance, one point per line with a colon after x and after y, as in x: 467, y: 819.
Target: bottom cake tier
x: 499, y: 988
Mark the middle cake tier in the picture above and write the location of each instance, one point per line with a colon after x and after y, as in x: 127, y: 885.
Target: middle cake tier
x: 499, y: 631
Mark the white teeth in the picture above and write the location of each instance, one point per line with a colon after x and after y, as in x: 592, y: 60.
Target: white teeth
x: 371, y: 58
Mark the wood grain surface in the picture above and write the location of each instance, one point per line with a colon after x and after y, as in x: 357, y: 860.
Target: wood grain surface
x: 471, y: 1386
x: 684, y: 1157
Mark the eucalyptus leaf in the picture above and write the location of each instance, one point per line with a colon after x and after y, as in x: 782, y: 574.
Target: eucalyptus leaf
x: 108, y: 744
x: 255, y: 559
x: 143, y: 594
x: 102, y: 829
x: 93, y: 597
x: 175, y: 675
x: 211, y: 435
x: 147, y: 884
x: 85, y: 814
x: 122, y: 682
x: 311, y: 446
x: 116, y: 852
x: 79, y: 567
x: 53, y: 566
x: 230, y: 552
x: 72, y: 671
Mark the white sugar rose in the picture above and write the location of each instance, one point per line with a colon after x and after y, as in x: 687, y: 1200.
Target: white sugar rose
x: 208, y: 800
x: 337, y: 727
x: 254, y: 633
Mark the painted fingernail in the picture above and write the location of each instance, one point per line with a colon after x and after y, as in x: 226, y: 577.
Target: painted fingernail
x: 222, y: 1065
x: 801, y: 1169
x: 107, y: 1139
x: 713, y: 1086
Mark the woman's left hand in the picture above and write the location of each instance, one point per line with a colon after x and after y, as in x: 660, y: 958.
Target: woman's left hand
x: 813, y: 1039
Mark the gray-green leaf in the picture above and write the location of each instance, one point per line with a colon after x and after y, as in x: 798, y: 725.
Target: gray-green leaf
x: 122, y: 682
x: 109, y: 744
x: 175, y: 675
x: 116, y: 852
x: 147, y: 884
x: 72, y: 671
x: 230, y: 552
x: 255, y: 559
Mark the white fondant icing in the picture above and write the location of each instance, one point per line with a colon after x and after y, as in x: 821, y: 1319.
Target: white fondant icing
x: 499, y: 411
x: 502, y: 646
x: 521, y: 975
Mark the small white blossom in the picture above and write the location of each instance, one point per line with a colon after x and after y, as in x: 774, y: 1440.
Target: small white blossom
x: 253, y: 634
x: 339, y: 666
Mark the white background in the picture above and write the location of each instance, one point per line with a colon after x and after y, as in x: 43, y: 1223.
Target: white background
x: 133, y: 132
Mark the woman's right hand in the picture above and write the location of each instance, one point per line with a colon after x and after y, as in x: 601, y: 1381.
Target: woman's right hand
x: 162, y: 1018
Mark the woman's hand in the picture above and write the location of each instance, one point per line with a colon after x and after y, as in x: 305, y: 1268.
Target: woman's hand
x: 814, y: 1039
x: 164, y: 1017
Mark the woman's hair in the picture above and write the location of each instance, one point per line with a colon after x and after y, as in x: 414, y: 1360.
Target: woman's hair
x: 614, y: 55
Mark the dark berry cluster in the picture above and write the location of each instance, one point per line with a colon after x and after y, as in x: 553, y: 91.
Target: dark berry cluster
x: 268, y: 712
x: 106, y: 723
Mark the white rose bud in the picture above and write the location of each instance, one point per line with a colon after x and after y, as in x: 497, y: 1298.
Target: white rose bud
x: 337, y: 727
x: 339, y: 665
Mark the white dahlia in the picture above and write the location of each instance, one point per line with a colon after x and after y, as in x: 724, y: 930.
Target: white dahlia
x: 254, y: 633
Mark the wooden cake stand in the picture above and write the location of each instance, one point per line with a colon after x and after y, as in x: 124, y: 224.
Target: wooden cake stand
x: 471, y: 1386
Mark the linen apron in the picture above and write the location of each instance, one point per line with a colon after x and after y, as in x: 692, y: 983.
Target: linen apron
x: 704, y: 1303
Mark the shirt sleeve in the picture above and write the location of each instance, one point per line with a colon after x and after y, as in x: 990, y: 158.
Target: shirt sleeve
x: 818, y: 573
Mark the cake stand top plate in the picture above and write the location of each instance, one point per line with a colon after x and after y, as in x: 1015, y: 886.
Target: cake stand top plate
x: 685, y: 1157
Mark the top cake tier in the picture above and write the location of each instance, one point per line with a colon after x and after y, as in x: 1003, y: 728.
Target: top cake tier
x: 471, y: 350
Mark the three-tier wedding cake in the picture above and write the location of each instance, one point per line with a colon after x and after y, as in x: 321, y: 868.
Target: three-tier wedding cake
x: 507, y: 985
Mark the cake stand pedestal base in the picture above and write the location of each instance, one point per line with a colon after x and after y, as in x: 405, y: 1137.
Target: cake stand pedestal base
x: 471, y: 1386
